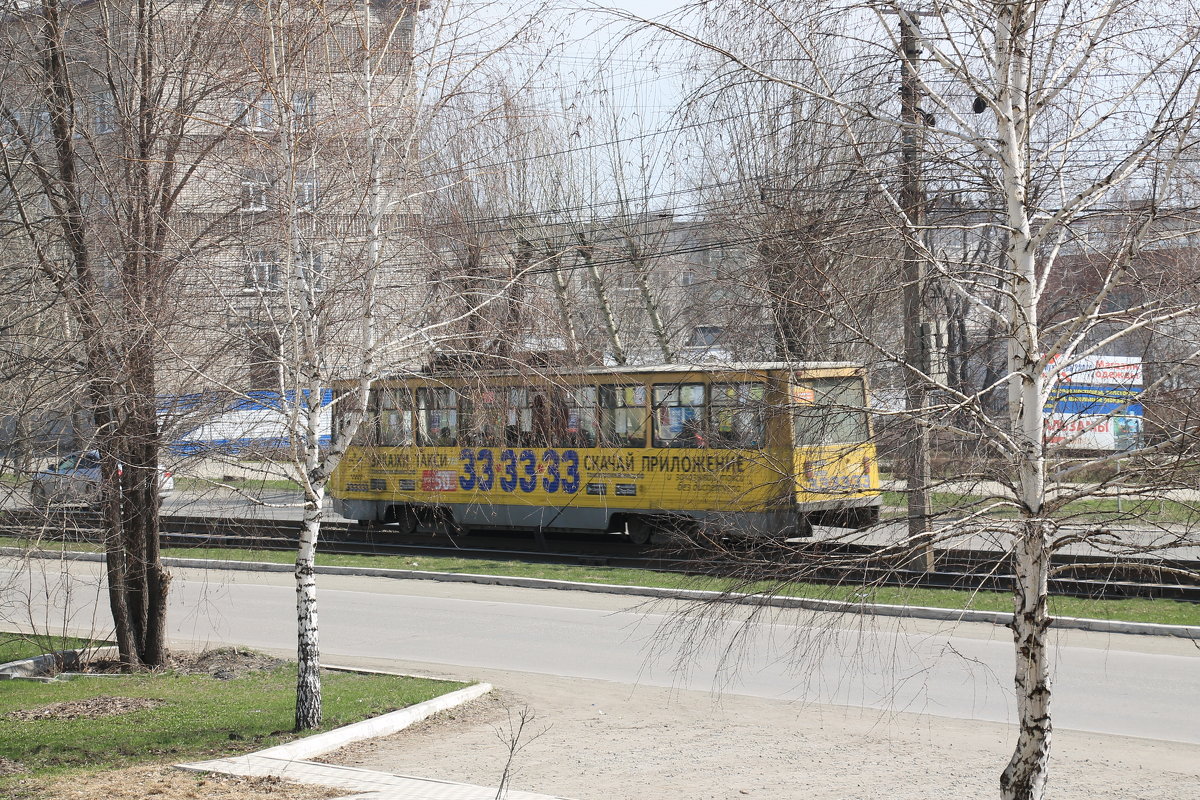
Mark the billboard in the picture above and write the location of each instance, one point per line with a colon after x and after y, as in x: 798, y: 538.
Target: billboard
x: 1096, y: 403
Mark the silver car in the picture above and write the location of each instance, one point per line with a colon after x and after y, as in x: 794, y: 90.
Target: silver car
x: 76, y: 481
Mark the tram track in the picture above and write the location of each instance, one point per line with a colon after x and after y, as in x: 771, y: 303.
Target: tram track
x: 1098, y: 577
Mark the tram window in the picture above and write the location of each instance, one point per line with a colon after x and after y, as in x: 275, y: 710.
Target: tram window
x: 481, y: 417
x: 679, y: 415
x: 583, y: 416
x: 437, y: 417
x: 830, y: 411
x: 549, y: 418
x: 395, y: 417
x: 518, y: 419
x: 623, y: 416
x: 738, y: 415
x: 536, y: 418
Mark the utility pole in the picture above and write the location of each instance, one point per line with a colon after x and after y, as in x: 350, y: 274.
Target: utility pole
x: 912, y: 199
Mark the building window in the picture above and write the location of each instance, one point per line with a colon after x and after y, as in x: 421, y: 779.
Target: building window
x: 37, y: 125
x: 705, y: 336
x: 262, y: 270
x: 306, y: 193
x: 255, y: 112
x: 626, y: 278
x: 104, y: 113
x: 312, y: 268
x: 254, y: 193
x: 263, y: 359
x: 688, y: 278
x: 304, y: 107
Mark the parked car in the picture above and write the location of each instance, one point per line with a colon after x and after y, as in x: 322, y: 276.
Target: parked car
x: 76, y: 481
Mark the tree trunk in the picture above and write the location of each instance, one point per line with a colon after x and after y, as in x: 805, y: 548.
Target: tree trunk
x: 564, y: 306
x: 652, y: 309
x: 114, y: 560
x: 1025, y: 776
x: 308, y: 650
x: 610, y: 322
x: 147, y: 502
x: 790, y: 344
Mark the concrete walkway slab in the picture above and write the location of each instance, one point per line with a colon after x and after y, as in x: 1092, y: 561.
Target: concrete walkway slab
x: 367, y: 784
x: 289, y: 761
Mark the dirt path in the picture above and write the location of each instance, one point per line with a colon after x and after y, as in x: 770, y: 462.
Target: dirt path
x: 594, y: 740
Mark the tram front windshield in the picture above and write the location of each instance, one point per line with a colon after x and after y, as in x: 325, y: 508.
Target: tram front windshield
x: 830, y: 411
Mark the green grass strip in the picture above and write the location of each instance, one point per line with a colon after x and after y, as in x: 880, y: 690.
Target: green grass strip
x: 1107, y: 510
x: 199, y: 486
x: 1164, y: 612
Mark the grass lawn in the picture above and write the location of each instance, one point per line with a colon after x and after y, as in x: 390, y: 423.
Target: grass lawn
x: 201, y: 485
x: 199, y: 717
x: 16, y: 646
x: 1165, y: 612
x: 1095, y: 510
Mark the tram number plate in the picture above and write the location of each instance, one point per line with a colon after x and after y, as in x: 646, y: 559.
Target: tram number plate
x: 512, y: 470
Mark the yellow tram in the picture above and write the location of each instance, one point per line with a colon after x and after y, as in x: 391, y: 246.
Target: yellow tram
x: 754, y: 449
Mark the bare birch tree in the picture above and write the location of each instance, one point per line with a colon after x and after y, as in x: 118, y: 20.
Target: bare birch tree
x: 331, y: 128
x: 1077, y: 117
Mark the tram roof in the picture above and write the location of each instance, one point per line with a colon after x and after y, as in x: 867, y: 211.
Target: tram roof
x: 636, y: 369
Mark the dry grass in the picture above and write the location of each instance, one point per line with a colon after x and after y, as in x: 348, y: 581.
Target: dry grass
x: 165, y: 782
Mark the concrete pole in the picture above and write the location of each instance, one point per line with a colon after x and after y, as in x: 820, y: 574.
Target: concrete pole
x: 913, y: 268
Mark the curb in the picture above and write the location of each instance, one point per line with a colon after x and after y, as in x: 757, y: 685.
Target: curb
x: 696, y: 595
x: 384, y: 725
x: 40, y: 665
x: 291, y: 761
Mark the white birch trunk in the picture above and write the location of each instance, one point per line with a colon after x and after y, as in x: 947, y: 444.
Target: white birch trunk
x: 610, y: 321
x: 309, y: 708
x: 308, y: 643
x: 653, y: 312
x: 564, y: 306
x: 318, y: 466
x: 1025, y: 776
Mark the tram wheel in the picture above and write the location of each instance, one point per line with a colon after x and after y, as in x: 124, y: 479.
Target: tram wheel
x: 639, y: 530
x: 403, y: 517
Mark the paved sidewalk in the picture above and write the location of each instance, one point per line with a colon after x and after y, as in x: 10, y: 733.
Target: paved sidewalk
x: 291, y: 761
x: 366, y: 784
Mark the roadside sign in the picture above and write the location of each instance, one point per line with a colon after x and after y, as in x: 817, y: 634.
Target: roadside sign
x: 1096, y: 403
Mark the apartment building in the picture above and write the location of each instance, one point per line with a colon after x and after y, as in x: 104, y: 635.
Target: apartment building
x: 193, y: 180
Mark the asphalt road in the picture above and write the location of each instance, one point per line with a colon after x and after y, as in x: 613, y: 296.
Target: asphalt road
x: 1135, y: 686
